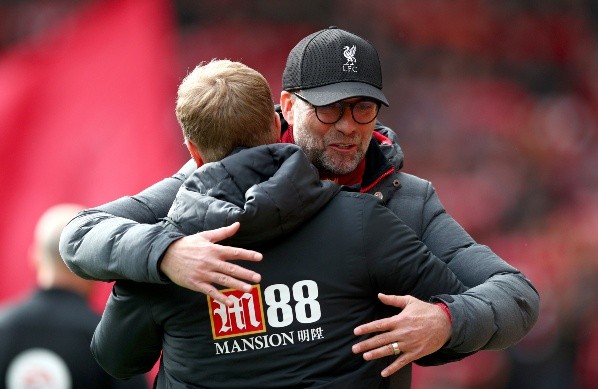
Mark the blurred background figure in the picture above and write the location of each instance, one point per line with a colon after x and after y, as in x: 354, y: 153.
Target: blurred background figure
x: 44, y: 340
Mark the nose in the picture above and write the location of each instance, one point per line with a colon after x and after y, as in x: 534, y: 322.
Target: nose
x: 346, y: 124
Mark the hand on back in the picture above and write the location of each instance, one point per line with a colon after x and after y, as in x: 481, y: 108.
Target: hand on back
x: 420, y: 329
x: 198, y: 263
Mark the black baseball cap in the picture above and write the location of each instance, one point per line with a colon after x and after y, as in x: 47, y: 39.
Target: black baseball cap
x: 332, y: 65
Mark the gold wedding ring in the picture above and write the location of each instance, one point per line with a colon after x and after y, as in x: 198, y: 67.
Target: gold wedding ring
x: 395, y: 348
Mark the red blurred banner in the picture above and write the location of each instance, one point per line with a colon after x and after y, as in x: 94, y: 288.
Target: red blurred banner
x: 86, y: 116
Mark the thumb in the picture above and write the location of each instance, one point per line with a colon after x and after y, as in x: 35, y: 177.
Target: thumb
x: 220, y: 233
x: 395, y: 301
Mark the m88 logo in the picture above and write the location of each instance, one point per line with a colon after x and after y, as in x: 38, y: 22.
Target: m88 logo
x: 283, y: 305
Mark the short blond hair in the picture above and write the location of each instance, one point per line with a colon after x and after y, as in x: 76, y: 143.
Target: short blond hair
x: 222, y: 105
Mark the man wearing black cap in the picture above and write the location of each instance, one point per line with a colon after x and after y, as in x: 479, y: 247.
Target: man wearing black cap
x: 332, y: 93
x: 329, y: 75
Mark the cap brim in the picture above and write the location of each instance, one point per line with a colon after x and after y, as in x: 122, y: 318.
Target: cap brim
x: 328, y: 94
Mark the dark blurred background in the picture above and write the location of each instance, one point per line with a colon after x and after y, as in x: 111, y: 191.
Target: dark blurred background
x: 495, y: 102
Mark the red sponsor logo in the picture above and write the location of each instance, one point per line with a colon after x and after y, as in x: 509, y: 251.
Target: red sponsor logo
x: 246, y: 316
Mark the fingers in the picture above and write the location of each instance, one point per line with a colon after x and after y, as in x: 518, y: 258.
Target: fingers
x: 229, y: 274
x: 395, y: 301
x: 228, y: 253
x: 378, y: 342
x: 375, y: 326
x: 232, y: 275
x: 387, y: 350
x: 207, y: 281
x: 221, y: 233
x: 215, y: 294
x: 235, y: 271
x: 396, y: 365
x: 387, y: 324
x: 204, y: 274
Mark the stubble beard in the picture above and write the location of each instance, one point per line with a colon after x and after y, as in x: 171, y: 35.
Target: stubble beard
x: 327, y: 161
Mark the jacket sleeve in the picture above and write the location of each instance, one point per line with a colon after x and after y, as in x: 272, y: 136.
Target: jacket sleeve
x: 119, y: 240
x: 127, y: 341
x: 500, y: 307
x: 399, y: 263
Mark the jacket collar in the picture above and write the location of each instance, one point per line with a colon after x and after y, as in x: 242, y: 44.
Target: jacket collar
x: 270, y: 190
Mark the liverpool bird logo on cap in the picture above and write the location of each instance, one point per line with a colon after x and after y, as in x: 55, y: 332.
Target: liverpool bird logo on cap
x: 349, y: 53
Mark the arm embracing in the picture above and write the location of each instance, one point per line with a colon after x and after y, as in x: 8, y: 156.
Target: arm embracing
x: 498, y: 311
x: 501, y: 305
x: 107, y: 242
x: 127, y: 341
x: 99, y: 246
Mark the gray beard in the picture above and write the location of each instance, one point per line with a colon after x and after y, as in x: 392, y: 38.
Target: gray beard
x: 316, y: 151
x: 322, y: 161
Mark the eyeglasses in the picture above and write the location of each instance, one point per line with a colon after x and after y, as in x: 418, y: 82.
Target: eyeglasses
x: 363, y: 111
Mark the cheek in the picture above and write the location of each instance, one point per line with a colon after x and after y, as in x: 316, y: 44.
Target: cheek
x: 307, y: 125
x: 366, y: 133
x: 317, y: 130
x: 300, y: 116
x: 301, y: 121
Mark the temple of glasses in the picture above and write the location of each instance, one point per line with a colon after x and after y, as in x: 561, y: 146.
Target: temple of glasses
x: 362, y: 111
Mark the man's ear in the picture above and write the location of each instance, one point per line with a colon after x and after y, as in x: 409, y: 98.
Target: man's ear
x: 286, y: 105
x: 195, y: 154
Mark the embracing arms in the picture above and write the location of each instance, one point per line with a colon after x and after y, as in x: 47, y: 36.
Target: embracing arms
x: 501, y: 305
x: 122, y: 240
